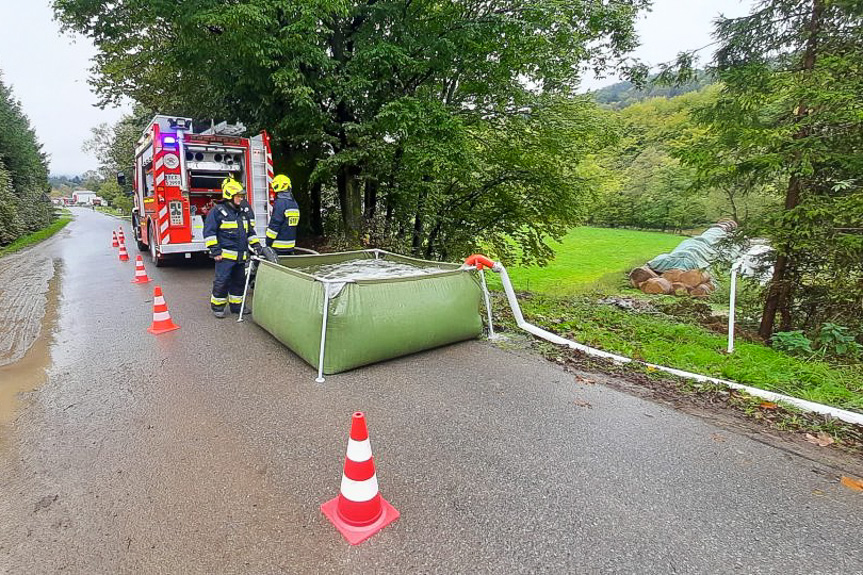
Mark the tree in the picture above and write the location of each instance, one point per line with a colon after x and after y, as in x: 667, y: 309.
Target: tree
x: 25, y: 172
x: 337, y: 82
x: 10, y: 227
x: 622, y: 94
x: 114, y: 146
x: 790, y: 116
x: 653, y: 187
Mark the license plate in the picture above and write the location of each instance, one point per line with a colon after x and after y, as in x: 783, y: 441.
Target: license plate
x: 172, y: 179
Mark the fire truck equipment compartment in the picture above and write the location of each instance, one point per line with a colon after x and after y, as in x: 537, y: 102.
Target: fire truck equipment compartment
x: 367, y: 320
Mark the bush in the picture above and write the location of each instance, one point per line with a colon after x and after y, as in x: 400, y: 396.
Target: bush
x: 793, y: 342
x: 836, y: 340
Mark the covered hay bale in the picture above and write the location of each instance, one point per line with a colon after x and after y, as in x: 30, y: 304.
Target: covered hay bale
x: 656, y: 286
x: 693, y: 278
x: 673, y: 275
x: 640, y: 275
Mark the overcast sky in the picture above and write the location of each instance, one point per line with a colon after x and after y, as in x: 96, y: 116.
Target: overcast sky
x: 48, y: 71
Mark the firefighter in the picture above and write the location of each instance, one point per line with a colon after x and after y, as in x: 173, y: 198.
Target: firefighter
x: 229, y: 233
x: 282, y: 230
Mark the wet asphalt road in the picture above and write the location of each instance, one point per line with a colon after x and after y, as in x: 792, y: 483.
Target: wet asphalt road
x: 210, y: 450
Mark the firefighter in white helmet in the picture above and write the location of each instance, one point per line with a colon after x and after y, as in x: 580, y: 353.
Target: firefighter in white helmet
x: 282, y: 229
x: 229, y: 233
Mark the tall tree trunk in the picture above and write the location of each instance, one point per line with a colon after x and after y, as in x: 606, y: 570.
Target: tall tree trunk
x: 388, y: 217
x: 779, y: 292
x: 430, y: 245
x: 371, y: 199
x: 417, y: 239
x: 316, y: 217
x: 350, y: 200
x: 730, y: 193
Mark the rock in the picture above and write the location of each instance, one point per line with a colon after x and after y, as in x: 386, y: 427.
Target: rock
x: 640, y: 275
x: 679, y: 288
x: 656, y: 286
x: 626, y: 303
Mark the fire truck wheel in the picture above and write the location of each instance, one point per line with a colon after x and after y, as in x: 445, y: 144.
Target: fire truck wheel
x: 158, y: 261
x: 136, y: 227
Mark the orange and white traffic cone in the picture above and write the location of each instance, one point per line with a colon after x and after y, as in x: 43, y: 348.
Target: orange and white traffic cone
x: 161, y: 318
x: 121, y: 236
x: 359, y: 511
x: 140, y: 272
x: 124, y: 255
x: 114, y: 242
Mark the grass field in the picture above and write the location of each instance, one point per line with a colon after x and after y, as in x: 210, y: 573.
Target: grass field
x: 590, y: 255
x: 664, y: 340
x: 595, y: 260
x: 112, y: 211
x: 39, y: 235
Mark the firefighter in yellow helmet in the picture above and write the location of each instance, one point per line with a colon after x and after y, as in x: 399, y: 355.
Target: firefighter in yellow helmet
x: 282, y: 230
x: 229, y: 233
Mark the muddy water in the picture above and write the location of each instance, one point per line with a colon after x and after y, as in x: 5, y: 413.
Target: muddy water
x: 28, y: 372
x: 24, y: 281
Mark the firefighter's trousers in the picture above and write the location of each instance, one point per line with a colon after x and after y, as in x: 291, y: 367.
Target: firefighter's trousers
x: 228, y: 285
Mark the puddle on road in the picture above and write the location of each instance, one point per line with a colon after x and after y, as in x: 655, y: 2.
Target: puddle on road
x: 30, y: 372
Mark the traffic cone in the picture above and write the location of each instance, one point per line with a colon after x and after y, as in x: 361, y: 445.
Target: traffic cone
x: 140, y: 272
x: 359, y: 511
x: 121, y: 235
x: 124, y: 255
x: 114, y: 242
x: 161, y: 318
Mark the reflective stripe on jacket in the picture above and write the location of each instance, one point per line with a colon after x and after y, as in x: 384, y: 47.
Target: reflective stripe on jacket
x: 282, y: 230
x: 229, y: 231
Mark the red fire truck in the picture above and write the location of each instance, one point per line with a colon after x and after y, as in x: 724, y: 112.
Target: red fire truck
x: 178, y: 177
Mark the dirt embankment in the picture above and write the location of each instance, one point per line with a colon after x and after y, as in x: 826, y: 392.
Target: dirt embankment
x: 23, y: 299
x: 28, y: 297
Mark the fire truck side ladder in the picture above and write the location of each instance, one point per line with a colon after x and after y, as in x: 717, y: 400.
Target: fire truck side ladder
x: 260, y: 184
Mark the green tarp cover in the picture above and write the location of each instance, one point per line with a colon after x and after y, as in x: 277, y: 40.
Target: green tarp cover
x: 368, y: 320
x: 691, y: 254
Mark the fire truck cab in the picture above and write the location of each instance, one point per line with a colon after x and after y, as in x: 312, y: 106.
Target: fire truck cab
x: 178, y: 176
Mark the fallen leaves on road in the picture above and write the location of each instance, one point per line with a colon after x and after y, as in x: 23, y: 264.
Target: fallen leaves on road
x: 584, y: 380
x: 582, y: 403
x: 717, y: 438
x: 767, y: 405
x: 821, y: 439
x: 851, y: 483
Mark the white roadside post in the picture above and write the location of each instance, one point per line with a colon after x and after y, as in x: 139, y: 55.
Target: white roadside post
x: 731, y: 302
